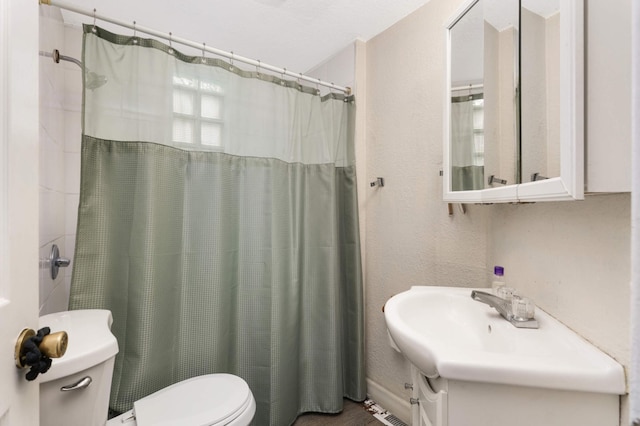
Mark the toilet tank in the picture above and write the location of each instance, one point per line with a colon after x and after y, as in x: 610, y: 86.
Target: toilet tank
x: 90, y: 353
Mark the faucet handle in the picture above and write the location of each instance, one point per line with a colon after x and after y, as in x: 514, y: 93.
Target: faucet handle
x: 505, y: 293
x: 522, y: 308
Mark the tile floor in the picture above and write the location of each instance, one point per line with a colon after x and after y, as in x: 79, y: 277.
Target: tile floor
x: 353, y: 414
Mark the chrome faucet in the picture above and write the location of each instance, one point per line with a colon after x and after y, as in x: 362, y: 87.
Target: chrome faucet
x: 503, y: 307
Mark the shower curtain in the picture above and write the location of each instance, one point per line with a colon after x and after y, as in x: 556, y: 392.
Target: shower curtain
x: 218, y: 222
x: 467, y: 162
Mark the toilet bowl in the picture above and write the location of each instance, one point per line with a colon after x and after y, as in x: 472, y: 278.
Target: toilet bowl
x: 214, y: 399
x: 75, y: 390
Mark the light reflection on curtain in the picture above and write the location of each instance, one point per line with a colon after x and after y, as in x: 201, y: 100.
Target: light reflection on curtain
x: 218, y: 222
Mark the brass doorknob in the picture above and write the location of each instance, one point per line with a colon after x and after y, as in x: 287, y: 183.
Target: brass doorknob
x: 53, y: 345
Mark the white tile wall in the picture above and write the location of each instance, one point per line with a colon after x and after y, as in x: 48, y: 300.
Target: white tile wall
x: 73, y: 134
x: 60, y: 132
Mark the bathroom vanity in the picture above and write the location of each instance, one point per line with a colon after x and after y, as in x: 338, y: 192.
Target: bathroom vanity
x: 470, y: 366
x: 443, y: 402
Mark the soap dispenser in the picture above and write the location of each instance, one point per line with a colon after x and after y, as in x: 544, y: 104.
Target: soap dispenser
x: 498, y: 279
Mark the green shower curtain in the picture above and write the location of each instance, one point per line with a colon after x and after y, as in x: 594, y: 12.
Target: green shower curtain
x: 467, y: 142
x: 218, y: 222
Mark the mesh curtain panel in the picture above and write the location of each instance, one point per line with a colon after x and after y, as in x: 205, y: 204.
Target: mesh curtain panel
x: 218, y: 222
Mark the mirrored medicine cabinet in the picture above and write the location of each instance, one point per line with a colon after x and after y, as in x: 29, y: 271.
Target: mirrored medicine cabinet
x: 514, y: 102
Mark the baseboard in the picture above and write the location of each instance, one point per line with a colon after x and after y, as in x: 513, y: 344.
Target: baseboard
x: 389, y: 401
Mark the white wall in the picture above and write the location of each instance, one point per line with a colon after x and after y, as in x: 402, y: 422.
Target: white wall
x: 60, y: 101
x: 573, y: 259
x: 411, y: 239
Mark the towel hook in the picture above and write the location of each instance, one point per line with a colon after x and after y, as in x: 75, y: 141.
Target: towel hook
x: 379, y: 182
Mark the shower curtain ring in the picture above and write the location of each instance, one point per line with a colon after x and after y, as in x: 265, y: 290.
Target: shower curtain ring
x: 318, y: 87
x: 94, y: 29
x: 300, y: 82
x: 282, y: 81
x: 258, y: 69
x: 204, y: 60
x: 170, y: 45
x: 135, y: 37
x: 231, y: 62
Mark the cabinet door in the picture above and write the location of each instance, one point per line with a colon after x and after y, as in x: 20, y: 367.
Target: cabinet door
x: 608, y: 83
x: 432, y: 407
x: 554, y: 167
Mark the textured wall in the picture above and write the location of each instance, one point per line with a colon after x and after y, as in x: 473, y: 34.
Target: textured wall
x: 573, y: 259
x: 411, y: 240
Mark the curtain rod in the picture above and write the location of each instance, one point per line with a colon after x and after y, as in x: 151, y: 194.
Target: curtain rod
x: 200, y: 46
x: 467, y: 87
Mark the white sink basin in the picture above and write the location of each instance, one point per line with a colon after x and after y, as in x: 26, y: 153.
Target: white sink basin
x: 445, y: 333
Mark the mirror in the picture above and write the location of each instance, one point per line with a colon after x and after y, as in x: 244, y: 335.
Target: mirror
x: 514, y: 101
x: 540, y: 76
x: 484, y: 72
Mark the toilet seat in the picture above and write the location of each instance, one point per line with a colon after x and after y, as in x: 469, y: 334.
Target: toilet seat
x: 214, y: 399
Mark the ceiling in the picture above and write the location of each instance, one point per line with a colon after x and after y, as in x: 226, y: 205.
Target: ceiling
x: 292, y: 34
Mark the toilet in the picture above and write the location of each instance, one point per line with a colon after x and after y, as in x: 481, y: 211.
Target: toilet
x: 75, y: 391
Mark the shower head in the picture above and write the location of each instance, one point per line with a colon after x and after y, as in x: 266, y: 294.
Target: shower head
x: 91, y: 79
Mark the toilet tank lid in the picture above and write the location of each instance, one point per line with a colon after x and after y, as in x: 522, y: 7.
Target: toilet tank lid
x: 90, y: 340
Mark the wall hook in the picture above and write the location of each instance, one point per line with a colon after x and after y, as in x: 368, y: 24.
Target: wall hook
x: 378, y: 182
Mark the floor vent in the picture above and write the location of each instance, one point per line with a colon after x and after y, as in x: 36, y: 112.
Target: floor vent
x: 383, y: 415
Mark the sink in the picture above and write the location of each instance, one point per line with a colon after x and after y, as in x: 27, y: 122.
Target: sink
x: 445, y: 333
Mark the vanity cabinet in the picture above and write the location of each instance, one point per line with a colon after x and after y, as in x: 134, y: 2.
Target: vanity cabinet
x: 527, y: 141
x: 470, y: 366
x: 442, y: 402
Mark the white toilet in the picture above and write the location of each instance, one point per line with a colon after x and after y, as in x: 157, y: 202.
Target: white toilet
x: 75, y: 391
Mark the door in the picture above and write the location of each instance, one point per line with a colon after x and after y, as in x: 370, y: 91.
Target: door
x: 19, y: 172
